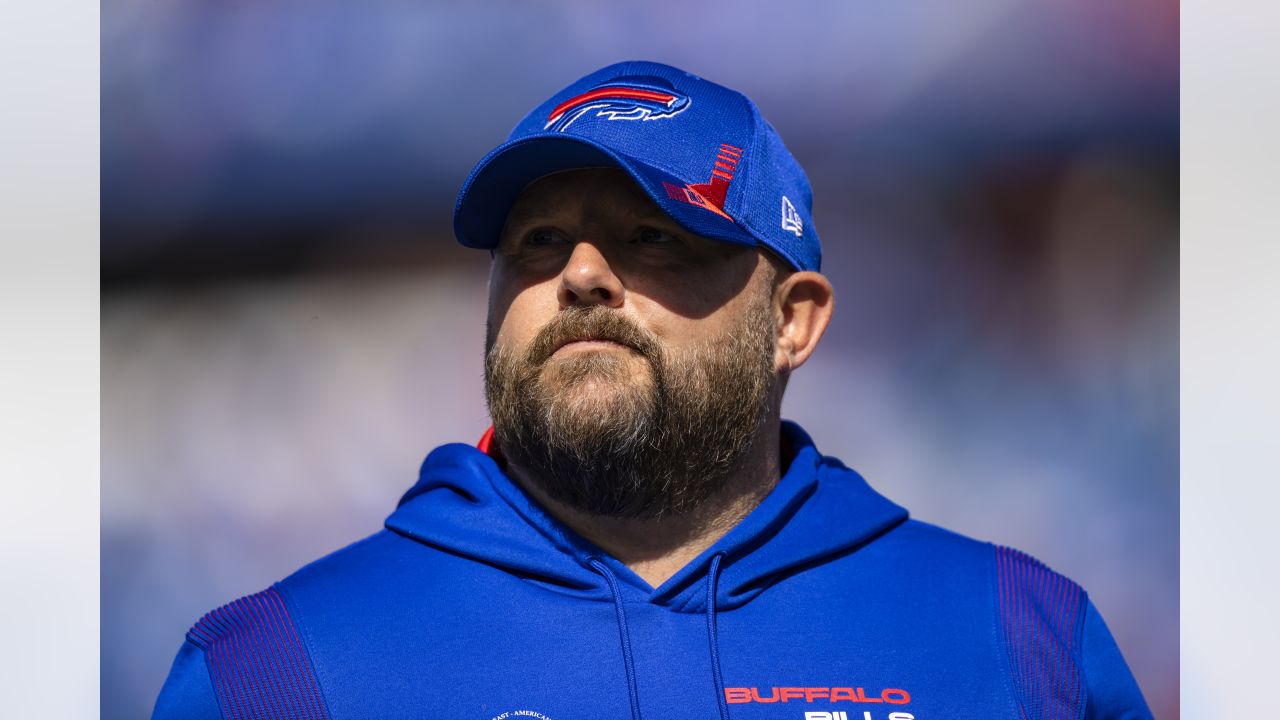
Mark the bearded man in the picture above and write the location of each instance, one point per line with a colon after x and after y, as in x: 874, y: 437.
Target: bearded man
x: 640, y: 533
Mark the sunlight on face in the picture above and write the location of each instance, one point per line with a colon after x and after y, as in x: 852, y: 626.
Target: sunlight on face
x: 629, y: 363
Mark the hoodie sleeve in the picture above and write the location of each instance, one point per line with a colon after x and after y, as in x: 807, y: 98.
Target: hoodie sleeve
x: 1112, y: 692
x: 188, y: 692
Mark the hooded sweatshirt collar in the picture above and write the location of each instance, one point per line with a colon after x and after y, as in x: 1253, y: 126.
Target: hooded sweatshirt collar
x: 464, y: 504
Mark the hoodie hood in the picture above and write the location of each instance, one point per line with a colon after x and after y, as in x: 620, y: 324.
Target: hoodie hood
x: 463, y: 503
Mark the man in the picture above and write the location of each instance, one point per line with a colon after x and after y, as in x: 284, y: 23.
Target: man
x: 640, y: 534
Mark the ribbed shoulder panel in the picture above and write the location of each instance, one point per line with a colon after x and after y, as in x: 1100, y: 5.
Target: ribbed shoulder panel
x: 1041, y: 615
x: 257, y: 661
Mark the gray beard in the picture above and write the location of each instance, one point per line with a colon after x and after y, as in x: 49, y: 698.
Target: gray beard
x: 645, y: 449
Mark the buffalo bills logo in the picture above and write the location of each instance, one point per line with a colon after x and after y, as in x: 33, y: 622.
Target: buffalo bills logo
x: 619, y: 101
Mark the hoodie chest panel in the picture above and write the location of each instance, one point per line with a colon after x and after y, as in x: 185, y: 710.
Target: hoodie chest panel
x: 672, y: 659
x: 472, y: 646
x: 892, y: 648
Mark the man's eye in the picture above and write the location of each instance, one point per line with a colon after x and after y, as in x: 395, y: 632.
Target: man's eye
x: 544, y: 236
x: 650, y: 235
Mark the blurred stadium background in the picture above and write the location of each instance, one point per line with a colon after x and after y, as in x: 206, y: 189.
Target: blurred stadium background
x: 288, y: 326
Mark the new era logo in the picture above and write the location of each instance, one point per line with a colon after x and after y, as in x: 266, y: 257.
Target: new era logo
x: 791, y: 221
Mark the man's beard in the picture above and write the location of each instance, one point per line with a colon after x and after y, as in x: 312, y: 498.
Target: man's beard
x: 593, y: 437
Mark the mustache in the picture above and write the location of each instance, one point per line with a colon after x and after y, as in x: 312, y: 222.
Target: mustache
x: 594, y: 322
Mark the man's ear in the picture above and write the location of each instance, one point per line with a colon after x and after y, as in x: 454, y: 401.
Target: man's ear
x: 802, y: 306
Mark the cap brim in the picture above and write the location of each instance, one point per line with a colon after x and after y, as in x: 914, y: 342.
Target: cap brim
x: 495, y: 183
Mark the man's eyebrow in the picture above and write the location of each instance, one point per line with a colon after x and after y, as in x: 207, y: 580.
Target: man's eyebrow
x: 517, y: 219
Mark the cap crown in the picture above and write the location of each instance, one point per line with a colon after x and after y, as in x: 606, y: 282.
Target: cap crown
x: 701, y: 151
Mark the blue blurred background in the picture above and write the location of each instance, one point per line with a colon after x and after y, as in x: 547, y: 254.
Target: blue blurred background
x: 288, y: 326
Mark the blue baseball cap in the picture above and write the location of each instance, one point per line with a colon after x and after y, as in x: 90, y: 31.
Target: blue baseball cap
x: 701, y: 151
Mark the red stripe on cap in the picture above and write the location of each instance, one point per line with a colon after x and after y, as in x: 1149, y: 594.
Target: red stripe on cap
x: 612, y: 92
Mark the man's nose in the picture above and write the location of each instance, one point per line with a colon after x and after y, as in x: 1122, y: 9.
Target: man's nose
x: 587, y: 279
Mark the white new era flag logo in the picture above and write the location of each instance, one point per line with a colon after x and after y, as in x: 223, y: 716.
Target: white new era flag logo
x: 790, y: 218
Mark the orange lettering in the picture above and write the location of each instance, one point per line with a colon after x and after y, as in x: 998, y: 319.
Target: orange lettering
x: 838, y: 694
x: 902, y: 696
x: 737, y: 695
x: 791, y: 694
x: 773, y: 695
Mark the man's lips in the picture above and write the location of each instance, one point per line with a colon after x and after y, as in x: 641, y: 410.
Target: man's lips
x: 587, y: 344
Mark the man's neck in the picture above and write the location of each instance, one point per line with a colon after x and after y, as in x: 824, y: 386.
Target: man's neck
x: 657, y: 549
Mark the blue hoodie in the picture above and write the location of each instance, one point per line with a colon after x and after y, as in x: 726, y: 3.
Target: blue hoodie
x: 825, y: 603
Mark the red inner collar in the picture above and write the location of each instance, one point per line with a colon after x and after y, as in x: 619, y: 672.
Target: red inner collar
x: 487, y: 445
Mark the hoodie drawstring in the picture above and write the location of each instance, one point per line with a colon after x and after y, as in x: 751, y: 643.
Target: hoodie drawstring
x: 712, y: 576
x: 627, y: 660
x: 713, y: 641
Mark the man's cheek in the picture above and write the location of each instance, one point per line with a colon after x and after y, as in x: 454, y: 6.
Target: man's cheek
x: 510, y: 334
x: 513, y: 303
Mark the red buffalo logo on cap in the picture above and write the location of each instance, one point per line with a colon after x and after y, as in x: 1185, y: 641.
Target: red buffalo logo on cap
x: 618, y: 101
